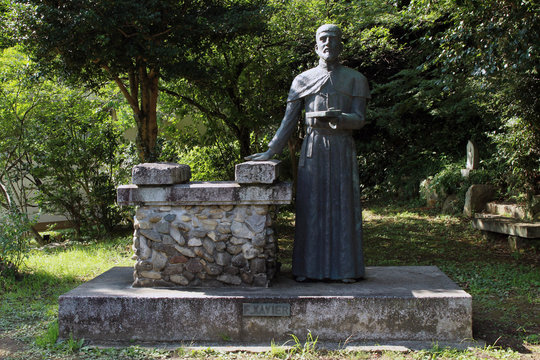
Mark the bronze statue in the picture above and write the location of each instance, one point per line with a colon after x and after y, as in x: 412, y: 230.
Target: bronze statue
x: 328, y: 232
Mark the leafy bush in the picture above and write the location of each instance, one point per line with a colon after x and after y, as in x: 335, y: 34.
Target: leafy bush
x: 449, y: 181
x: 518, y: 145
x: 14, y: 227
x: 207, y: 163
x: 77, y: 162
x: 492, y: 55
x: 59, y: 147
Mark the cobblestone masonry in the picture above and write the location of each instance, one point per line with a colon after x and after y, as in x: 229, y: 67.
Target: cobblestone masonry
x: 205, y: 234
x: 207, y: 245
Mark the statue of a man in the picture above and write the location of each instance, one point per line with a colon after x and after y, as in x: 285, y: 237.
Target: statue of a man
x: 328, y: 232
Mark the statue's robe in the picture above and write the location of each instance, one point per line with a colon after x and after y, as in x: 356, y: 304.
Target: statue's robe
x: 328, y: 232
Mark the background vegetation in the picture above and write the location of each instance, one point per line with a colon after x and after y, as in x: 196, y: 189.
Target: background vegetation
x: 441, y: 73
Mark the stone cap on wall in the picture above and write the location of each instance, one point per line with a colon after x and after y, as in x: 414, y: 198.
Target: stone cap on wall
x: 160, y: 174
x: 205, y: 193
x: 257, y: 172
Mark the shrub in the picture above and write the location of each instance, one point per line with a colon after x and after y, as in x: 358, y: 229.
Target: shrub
x: 77, y: 162
x: 449, y: 181
x: 13, y: 240
x: 207, y: 162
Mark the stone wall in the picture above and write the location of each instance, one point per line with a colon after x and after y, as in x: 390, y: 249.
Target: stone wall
x: 211, y: 245
x: 206, y: 234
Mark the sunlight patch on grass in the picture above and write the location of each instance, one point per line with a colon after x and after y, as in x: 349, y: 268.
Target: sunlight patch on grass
x: 83, y: 262
x: 49, y: 273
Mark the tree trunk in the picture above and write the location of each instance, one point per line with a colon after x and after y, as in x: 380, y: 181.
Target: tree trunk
x: 146, y: 136
x: 37, y: 236
x: 146, y: 118
x: 244, y: 140
x: 142, y: 95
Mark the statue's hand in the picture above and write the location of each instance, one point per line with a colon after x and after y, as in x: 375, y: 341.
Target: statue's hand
x: 260, y: 156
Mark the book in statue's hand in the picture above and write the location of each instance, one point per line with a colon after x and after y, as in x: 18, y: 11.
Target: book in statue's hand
x: 330, y: 113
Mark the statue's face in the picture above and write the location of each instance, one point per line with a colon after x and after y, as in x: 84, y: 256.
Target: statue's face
x: 328, y: 46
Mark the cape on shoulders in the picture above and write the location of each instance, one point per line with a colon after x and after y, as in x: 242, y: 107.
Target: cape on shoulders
x: 345, y: 80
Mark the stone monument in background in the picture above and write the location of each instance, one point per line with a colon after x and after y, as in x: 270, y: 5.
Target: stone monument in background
x: 473, y: 159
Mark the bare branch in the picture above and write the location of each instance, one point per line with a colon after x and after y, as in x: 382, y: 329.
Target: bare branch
x: 205, y: 110
x: 198, y: 105
x: 126, y: 35
x: 6, y: 194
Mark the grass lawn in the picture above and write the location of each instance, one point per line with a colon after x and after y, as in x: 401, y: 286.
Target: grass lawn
x: 505, y: 287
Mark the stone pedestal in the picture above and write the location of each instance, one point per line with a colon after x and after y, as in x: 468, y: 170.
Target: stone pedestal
x: 160, y: 173
x: 257, y: 172
x: 206, y: 234
x: 393, y: 304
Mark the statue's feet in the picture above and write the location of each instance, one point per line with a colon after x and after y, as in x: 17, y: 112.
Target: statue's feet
x: 348, y: 281
x: 300, y: 279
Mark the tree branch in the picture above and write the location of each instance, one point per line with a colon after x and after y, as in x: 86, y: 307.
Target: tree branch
x: 126, y: 35
x: 131, y: 100
x: 198, y: 105
x: 6, y: 195
x: 205, y: 110
x: 133, y: 84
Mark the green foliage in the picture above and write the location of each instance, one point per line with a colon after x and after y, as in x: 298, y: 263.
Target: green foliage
x: 14, y: 227
x: 276, y: 351
x: 208, y: 163
x: 49, y: 337
x: 237, y: 87
x: 441, y: 73
x: 21, y: 96
x: 60, y: 147
x: 533, y: 339
x: 5, y: 40
x: 120, y: 34
x: 518, y: 145
x: 77, y: 161
x: 93, y: 41
x: 240, y: 87
x: 491, y: 52
x: 308, y: 348
x: 450, y: 181
x: 72, y: 345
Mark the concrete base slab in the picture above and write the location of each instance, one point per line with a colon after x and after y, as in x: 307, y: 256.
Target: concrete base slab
x: 365, y: 346
x: 417, y: 304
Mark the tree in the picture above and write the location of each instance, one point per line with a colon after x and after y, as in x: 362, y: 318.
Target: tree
x: 491, y: 50
x: 239, y: 88
x: 5, y: 39
x: 21, y: 96
x: 77, y: 160
x: 133, y: 43
x: 59, y: 149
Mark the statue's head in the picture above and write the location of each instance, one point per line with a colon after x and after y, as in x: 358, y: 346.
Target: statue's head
x: 329, y: 45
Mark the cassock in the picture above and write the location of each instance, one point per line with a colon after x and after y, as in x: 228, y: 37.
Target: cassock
x: 328, y: 231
